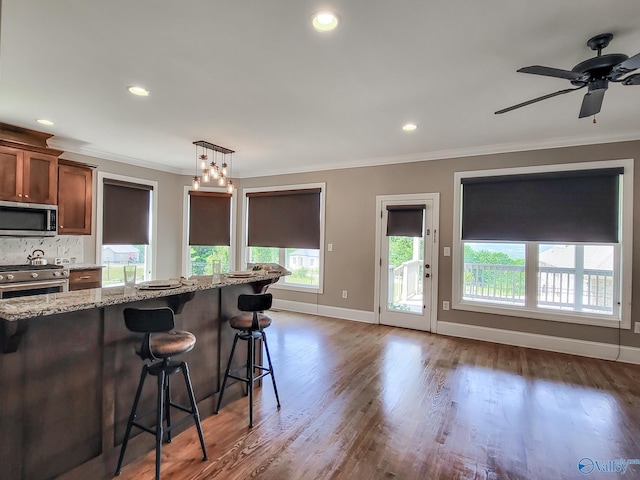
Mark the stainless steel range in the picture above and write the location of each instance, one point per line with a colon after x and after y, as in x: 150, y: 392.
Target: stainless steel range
x: 25, y: 280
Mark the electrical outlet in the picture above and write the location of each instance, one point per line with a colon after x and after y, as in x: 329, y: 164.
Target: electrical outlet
x: 636, y: 327
x: 344, y: 294
x: 445, y: 305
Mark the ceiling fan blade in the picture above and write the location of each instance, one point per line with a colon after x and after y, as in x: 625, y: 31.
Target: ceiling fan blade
x: 592, y: 103
x: 632, y: 79
x: 627, y: 66
x: 554, y: 72
x: 539, y: 99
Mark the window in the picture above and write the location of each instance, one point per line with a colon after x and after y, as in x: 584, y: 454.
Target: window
x: 285, y: 225
x: 125, y: 231
x: 545, y: 243
x: 208, y: 215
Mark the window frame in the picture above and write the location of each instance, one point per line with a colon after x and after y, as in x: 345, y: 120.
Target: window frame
x: 151, y: 252
x: 186, y: 253
x: 282, y: 251
x: 530, y: 310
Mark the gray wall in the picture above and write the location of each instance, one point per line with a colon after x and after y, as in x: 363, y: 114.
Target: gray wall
x: 350, y: 227
x: 170, y: 191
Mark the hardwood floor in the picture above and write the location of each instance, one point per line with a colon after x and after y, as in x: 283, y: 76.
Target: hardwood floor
x: 364, y: 401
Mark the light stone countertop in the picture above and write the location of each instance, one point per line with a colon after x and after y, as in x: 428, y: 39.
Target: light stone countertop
x: 82, y: 266
x: 20, y: 308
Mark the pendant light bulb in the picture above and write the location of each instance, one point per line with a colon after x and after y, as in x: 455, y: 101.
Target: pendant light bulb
x: 224, y: 169
x: 230, y: 186
x: 221, y: 181
x: 205, y: 175
x: 196, y: 183
x: 203, y: 162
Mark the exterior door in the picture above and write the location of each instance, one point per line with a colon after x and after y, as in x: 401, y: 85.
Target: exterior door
x: 406, y: 273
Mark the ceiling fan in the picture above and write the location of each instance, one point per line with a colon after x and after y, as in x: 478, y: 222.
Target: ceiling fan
x: 594, y: 73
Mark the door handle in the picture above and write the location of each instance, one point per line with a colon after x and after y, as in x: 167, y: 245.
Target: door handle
x: 426, y: 265
x: 427, y: 275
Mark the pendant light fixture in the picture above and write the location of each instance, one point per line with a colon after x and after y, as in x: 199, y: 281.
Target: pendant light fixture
x: 220, y: 171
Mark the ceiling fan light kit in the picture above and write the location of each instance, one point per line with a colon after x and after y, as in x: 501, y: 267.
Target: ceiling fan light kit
x: 594, y: 73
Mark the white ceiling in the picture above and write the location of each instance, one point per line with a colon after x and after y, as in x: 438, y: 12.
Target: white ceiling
x: 254, y: 76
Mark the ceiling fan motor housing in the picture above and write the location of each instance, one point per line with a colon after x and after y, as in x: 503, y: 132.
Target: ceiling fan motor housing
x: 598, y: 67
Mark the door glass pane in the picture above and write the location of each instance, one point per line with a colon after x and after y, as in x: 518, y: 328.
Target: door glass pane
x: 201, y: 258
x: 494, y: 273
x: 404, y: 278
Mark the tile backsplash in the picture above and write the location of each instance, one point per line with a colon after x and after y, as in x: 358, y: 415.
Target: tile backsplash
x: 14, y: 250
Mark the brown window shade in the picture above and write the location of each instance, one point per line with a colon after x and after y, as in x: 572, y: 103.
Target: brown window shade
x: 405, y: 220
x: 569, y: 206
x: 125, y: 213
x: 284, y: 219
x: 209, y: 218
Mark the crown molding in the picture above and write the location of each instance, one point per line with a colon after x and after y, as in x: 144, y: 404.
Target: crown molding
x: 370, y: 162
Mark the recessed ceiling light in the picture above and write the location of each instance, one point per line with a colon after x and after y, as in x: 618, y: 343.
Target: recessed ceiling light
x: 409, y: 127
x: 44, y: 121
x: 324, y: 21
x: 141, y: 92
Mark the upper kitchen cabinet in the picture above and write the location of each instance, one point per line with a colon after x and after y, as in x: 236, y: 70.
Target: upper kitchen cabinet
x: 28, y: 168
x: 75, y: 182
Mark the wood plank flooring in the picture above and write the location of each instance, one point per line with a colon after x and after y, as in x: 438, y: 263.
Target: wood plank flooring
x: 364, y: 401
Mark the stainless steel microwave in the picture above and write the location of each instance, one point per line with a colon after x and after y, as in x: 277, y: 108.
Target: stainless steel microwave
x: 28, y: 219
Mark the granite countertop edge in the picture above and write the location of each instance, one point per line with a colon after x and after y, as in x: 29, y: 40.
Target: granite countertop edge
x: 83, y: 266
x: 21, y: 308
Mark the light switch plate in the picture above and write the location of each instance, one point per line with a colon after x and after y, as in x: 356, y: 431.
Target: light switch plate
x: 447, y: 251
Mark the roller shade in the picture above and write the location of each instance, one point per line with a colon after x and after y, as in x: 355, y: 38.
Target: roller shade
x: 572, y: 206
x: 125, y: 213
x: 284, y: 219
x: 209, y: 218
x: 405, y: 220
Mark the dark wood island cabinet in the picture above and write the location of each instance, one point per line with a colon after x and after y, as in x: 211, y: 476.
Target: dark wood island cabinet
x: 68, y: 373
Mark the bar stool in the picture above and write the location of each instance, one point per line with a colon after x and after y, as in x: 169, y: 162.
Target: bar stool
x: 159, y: 344
x: 250, y: 326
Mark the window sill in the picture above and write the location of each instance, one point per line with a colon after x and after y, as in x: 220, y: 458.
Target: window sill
x: 554, y: 316
x: 280, y: 285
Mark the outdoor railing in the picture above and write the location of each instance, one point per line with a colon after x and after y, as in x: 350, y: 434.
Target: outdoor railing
x: 406, y: 281
x: 557, y: 287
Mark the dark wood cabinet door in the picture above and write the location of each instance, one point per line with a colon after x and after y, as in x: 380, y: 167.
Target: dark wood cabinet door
x: 74, y: 200
x: 83, y: 279
x: 11, y: 174
x: 40, y: 178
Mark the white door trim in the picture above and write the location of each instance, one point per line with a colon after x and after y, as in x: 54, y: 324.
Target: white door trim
x: 435, y: 198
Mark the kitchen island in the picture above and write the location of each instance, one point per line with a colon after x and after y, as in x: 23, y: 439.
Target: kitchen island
x: 68, y: 372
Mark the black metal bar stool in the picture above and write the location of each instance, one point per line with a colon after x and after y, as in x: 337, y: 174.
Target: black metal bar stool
x: 250, y: 326
x: 159, y: 344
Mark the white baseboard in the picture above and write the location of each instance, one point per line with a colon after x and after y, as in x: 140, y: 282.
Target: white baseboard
x: 325, y: 310
x: 572, y: 346
x: 605, y: 351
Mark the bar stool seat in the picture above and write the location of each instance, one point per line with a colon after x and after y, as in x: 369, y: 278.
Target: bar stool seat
x: 159, y: 344
x: 244, y: 321
x: 250, y: 327
x: 170, y: 344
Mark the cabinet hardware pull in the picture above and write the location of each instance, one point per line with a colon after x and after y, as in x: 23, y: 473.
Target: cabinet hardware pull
x: 19, y: 194
x: 84, y: 277
x: 26, y: 196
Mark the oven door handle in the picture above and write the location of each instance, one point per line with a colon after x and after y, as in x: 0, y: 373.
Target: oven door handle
x: 11, y: 287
